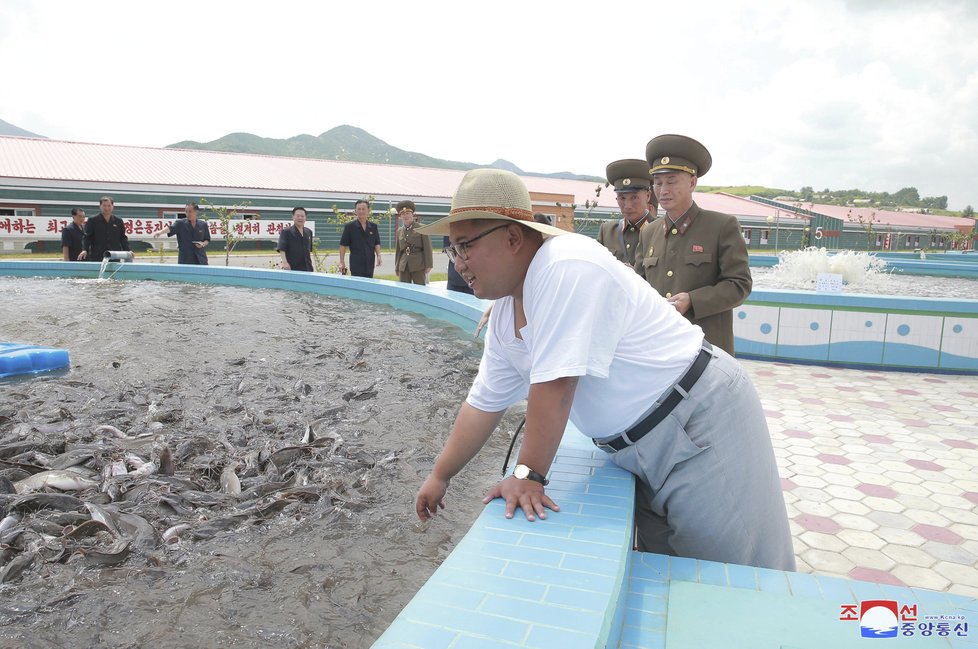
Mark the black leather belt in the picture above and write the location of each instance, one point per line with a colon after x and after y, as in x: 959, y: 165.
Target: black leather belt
x: 675, y: 396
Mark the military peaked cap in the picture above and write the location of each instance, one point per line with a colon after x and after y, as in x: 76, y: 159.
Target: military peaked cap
x: 629, y: 175
x: 668, y: 153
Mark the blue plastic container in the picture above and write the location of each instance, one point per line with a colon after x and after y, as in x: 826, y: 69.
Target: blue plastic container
x: 16, y: 359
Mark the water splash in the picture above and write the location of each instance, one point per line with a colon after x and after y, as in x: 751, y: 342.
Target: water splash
x: 117, y: 257
x: 797, y: 269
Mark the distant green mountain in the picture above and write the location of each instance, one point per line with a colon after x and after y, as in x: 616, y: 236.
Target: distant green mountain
x: 6, y: 128
x: 351, y: 144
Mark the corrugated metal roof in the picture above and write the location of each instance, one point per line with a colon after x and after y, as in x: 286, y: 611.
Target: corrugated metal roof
x: 43, y: 159
x: 890, y: 218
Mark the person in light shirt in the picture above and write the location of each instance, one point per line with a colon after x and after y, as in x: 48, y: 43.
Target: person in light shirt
x: 583, y: 338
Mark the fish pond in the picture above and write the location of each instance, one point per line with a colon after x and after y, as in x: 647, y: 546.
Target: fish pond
x: 223, y: 466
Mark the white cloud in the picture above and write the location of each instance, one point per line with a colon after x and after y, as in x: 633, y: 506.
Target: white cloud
x: 816, y: 92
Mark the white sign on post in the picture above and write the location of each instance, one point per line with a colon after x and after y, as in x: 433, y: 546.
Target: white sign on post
x: 828, y: 283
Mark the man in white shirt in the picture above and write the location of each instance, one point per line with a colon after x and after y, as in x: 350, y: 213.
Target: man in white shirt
x: 583, y: 338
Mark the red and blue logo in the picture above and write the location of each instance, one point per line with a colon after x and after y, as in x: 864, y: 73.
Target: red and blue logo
x: 878, y: 618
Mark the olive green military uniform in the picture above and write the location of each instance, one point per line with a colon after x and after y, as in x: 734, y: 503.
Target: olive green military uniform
x: 702, y: 253
x: 621, y: 237
x: 412, y: 256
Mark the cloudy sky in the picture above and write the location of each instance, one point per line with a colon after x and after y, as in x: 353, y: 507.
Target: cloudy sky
x: 875, y: 94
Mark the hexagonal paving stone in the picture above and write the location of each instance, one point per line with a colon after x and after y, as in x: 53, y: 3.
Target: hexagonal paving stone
x: 877, y: 439
x: 925, y: 465
x: 876, y: 576
x: 880, y: 491
x: 905, y: 556
x: 960, y: 443
x: 902, y: 537
x: 853, y: 507
x: 920, y: 577
x: 962, y: 516
x: 828, y: 562
x: 815, y: 523
x: 956, y: 574
x: 820, y: 541
x: 939, y: 534
x: 969, y: 532
x: 869, y: 558
x: 861, y: 539
x: 884, y: 504
x: 951, y: 553
x: 928, y: 518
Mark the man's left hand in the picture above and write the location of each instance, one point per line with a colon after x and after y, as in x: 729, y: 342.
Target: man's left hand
x: 528, y: 495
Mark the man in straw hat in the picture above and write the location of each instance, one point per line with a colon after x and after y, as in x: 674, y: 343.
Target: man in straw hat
x: 696, y: 259
x: 632, y: 184
x: 583, y: 338
x: 412, y: 255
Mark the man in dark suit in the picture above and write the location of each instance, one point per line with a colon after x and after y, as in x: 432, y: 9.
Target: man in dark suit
x: 362, y: 238
x: 73, y: 237
x: 295, y: 243
x: 104, y: 232
x: 192, y: 235
x: 696, y: 259
x: 632, y: 183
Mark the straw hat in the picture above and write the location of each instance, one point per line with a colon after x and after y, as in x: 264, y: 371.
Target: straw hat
x: 490, y: 194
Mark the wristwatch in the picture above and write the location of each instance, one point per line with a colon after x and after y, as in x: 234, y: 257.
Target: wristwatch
x: 523, y: 472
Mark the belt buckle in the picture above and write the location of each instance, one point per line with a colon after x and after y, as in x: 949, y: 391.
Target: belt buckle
x: 604, y: 446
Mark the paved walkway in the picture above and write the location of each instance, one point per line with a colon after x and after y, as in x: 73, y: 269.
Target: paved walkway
x: 879, y: 470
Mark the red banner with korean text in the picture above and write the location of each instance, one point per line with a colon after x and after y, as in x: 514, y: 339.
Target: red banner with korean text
x: 46, y: 227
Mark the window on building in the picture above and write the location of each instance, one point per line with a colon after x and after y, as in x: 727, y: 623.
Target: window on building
x: 170, y: 215
x: 17, y: 211
x: 879, y: 240
x: 909, y: 241
x: 746, y: 233
x: 765, y: 236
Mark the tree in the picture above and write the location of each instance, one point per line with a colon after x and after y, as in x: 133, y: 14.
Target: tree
x: 232, y: 235
x: 866, y: 223
x: 968, y: 212
x: 807, y: 193
x: 907, y: 196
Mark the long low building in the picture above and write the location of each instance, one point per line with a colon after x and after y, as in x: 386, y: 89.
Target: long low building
x: 41, y: 178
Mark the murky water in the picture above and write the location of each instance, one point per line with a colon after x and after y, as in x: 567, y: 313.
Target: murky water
x: 228, y: 371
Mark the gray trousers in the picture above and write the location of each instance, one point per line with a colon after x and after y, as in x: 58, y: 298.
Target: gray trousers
x: 708, y: 484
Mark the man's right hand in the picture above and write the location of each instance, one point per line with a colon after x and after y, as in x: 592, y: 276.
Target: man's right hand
x: 431, y: 497
x: 82, y: 255
x: 285, y: 266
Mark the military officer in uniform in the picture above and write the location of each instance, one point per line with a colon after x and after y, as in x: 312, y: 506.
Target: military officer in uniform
x: 695, y: 258
x: 412, y: 258
x: 632, y: 190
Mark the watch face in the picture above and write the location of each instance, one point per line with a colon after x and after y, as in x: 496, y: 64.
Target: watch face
x: 521, y: 471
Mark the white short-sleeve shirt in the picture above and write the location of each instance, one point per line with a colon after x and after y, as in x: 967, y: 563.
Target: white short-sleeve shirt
x: 588, y: 315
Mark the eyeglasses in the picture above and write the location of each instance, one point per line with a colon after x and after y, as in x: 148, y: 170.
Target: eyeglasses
x: 458, y: 251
